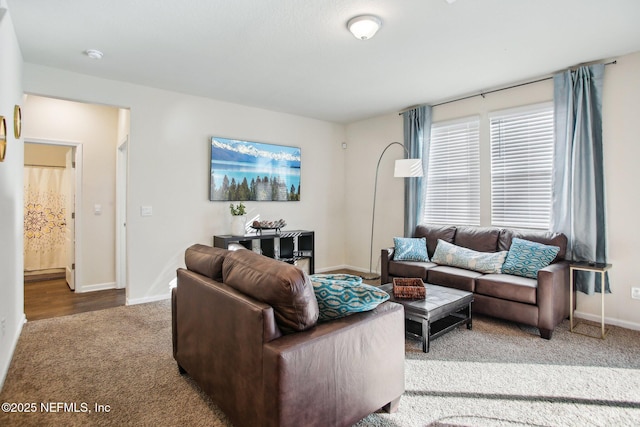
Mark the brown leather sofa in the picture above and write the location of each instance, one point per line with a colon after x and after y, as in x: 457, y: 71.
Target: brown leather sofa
x: 245, y: 329
x: 542, y: 303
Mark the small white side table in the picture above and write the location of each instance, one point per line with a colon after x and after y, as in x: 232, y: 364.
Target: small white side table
x: 597, y: 268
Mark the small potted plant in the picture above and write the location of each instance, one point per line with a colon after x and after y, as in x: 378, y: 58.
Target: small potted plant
x: 238, y: 221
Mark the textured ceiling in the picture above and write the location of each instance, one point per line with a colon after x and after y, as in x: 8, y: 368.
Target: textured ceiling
x: 297, y: 56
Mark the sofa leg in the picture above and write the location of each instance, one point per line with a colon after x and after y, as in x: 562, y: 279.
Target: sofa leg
x: 181, y: 370
x: 392, y: 406
x: 546, y: 333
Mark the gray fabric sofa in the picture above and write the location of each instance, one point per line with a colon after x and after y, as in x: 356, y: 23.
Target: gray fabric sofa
x: 541, y: 302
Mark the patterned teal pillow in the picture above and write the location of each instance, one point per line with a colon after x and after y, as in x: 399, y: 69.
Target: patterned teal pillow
x: 340, y: 295
x: 457, y: 256
x: 525, y: 258
x: 410, y: 249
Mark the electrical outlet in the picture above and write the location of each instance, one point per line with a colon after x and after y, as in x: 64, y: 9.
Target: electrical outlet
x: 635, y: 293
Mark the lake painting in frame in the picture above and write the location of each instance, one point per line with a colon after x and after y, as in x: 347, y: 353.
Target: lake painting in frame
x: 245, y: 170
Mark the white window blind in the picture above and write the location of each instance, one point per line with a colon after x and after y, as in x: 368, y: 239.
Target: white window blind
x: 521, y: 166
x: 452, y: 187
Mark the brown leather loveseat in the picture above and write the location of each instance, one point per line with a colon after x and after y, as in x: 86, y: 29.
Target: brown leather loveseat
x: 541, y: 302
x: 245, y: 329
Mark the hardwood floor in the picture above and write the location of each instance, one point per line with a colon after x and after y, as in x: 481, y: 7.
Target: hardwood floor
x: 53, y: 298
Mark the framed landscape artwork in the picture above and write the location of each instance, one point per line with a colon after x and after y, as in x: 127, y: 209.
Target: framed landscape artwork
x: 246, y: 170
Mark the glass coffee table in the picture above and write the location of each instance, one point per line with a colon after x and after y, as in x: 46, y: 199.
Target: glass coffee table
x: 442, y: 310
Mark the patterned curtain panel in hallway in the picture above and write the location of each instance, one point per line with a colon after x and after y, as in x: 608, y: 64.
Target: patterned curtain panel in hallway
x: 44, y: 218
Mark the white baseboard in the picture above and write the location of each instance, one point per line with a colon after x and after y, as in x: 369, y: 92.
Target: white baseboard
x: 97, y: 287
x: 14, y: 342
x: 342, y: 267
x: 134, y: 301
x: 607, y: 320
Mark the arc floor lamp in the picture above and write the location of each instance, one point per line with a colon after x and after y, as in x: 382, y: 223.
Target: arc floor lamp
x: 404, y: 168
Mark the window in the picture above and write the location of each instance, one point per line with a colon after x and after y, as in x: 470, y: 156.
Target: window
x: 452, y: 190
x: 521, y: 166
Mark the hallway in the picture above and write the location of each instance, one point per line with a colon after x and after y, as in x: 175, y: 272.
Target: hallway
x: 53, y: 298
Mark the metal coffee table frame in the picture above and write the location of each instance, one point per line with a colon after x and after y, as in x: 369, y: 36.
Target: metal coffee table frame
x: 442, y: 310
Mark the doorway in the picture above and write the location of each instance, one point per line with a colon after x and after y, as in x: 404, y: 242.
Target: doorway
x: 50, y: 188
x: 94, y: 132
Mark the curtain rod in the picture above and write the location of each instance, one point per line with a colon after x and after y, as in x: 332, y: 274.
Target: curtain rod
x: 482, y: 94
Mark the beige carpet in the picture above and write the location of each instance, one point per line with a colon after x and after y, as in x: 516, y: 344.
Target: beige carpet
x: 497, y: 374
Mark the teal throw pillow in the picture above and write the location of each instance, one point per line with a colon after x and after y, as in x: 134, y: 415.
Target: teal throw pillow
x: 457, y: 256
x: 410, y: 249
x: 525, y: 258
x: 340, y: 295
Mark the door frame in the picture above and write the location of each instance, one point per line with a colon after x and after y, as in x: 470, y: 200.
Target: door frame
x: 77, y: 205
x: 122, y: 172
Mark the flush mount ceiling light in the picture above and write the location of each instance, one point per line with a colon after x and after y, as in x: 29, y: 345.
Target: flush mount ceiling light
x: 364, y: 27
x: 94, y: 53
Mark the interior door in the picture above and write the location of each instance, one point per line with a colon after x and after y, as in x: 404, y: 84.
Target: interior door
x: 70, y: 219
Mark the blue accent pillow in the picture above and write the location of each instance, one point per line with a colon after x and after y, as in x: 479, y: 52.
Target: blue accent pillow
x: 410, y: 249
x: 525, y: 258
x: 457, y: 256
x: 340, y: 295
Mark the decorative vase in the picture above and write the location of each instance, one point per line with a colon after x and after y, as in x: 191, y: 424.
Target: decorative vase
x: 238, y: 225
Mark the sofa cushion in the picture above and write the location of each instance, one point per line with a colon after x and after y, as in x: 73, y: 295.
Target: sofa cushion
x: 205, y: 260
x: 284, y: 287
x: 408, y: 249
x: 508, y: 287
x: 340, y: 295
x: 457, y: 256
x: 433, y: 233
x: 453, y: 277
x: 481, y: 239
x: 415, y: 269
x: 544, y: 237
x: 525, y: 258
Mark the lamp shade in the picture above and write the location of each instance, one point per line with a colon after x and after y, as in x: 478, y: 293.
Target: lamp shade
x: 408, y: 168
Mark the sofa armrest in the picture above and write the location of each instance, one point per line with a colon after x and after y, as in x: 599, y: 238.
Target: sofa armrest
x: 385, y: 256
x: 338, y: 372
x: 219, y: 337
x: 553, y: 295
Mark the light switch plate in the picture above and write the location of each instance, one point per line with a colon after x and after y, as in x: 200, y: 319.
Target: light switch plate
x: 146, y: 211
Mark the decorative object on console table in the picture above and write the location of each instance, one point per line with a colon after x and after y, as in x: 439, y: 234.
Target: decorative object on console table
x: 261, y: 226
x: 404, y: 168
x: 408, y: 288
x: 291, y: 246
x: 238, y: 219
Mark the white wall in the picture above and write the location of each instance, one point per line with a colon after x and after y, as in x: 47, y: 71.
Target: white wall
x: 169, y: 166
x: 96, y: 127
x: 621, y: 109
x: 366, y: 140
x: 11, y: 205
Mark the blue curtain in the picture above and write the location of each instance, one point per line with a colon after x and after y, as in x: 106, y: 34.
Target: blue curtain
x: 578, y: 206
x: 417, y: 133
